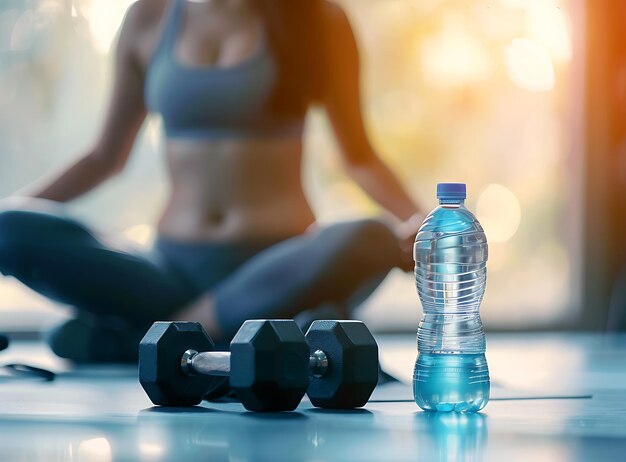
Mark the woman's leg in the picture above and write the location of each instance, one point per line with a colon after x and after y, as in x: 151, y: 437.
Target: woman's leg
x: 118, y: 293
x: 305, y: 272
x: 63, y: 260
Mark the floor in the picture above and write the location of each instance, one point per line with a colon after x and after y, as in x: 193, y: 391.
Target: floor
x: 557, y: 397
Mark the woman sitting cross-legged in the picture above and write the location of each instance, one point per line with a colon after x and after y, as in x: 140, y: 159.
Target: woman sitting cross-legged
x: 232, y: 81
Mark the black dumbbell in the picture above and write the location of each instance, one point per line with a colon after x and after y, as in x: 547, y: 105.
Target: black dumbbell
x: 270, y: 364
x: 343, y: 364
x: 268, y: 368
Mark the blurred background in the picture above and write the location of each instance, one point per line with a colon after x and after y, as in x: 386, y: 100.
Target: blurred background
x: 491, y: 93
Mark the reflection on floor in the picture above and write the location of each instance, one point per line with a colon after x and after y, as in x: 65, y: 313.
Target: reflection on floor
x: 102, y: 414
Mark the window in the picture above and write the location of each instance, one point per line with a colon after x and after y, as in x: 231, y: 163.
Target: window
x: 457, y: 90
x: 479, y: 92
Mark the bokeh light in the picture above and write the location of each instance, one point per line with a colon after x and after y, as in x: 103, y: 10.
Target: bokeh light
x: 529, y: 65
x: 499, y: 213
x: 454, y: 56
x: 547, y: 25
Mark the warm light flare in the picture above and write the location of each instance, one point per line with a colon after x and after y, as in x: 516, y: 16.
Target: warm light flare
x: 529, y: 66
x: 105, y: 17
x: 454, y: 57
x: 548, y: 25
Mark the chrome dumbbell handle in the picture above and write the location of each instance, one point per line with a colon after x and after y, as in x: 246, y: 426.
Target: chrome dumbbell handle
x: 218, y: 363
x: 206, y: 363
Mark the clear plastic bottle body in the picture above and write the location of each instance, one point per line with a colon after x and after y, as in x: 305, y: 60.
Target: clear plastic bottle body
x: 450, y: 252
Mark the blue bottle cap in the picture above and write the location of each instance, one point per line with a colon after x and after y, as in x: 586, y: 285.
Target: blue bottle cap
x: 451, y: 191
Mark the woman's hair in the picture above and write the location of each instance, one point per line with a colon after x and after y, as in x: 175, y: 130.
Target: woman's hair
x: 296, y: 33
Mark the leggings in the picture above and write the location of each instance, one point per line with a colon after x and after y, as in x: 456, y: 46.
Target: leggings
x: 65, y: 261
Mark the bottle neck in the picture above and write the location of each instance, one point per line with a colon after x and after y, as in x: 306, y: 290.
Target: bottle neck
x: 452, y: 202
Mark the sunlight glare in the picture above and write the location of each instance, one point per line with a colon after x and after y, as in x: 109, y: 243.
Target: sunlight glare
x: 548, y: 25
x: 105, y: 18
x: 454, y: 57
x: 529, y: 66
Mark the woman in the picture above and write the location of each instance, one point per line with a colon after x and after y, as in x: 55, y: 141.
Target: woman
x: 232, y: 80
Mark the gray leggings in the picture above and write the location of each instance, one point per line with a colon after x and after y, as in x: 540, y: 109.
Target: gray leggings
x: 65, y: 261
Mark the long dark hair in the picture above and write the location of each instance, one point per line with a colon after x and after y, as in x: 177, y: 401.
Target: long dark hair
x: 296, y: 35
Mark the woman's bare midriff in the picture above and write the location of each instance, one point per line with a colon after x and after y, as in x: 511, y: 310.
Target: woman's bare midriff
x: 234, y: 190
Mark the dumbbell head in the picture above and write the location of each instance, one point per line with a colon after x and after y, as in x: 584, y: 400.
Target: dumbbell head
x: 269, y: 365
x: 352, y: 371
x: 160, y: 372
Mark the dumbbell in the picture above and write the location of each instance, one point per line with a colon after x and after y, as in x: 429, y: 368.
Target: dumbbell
x: 271, y: 364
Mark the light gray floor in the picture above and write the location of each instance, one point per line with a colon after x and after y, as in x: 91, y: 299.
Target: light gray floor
x: 103, y: 415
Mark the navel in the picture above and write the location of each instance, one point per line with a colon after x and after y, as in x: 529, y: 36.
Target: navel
x: 215, y: 217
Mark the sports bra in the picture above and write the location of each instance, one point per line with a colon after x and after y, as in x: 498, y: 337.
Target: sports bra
x: 212, y: 102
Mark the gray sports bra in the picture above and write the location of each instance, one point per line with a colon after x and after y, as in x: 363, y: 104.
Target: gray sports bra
x: 210, y: 102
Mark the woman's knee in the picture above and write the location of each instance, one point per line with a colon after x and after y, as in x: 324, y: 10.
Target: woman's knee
x: 11, y: 238
x: 372, y: 231
x: 16, y: 224
x: 13, y: 224
x: 366, y: 233
x: 367, y: 240
x: 24, y: 230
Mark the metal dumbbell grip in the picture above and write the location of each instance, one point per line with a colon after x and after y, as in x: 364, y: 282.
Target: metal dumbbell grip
x: 207, y: 363
x: 218, y: 363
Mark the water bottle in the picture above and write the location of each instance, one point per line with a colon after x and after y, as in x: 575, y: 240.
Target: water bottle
x: 450, y: 253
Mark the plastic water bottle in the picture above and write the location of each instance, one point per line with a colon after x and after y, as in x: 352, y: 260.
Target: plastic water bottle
x: 450, y: 255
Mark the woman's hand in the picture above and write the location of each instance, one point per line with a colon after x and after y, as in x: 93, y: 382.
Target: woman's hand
x: 406, y: 232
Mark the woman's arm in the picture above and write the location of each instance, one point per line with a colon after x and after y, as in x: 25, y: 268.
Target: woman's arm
x: 343, y: 105
x: 124, y: 118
